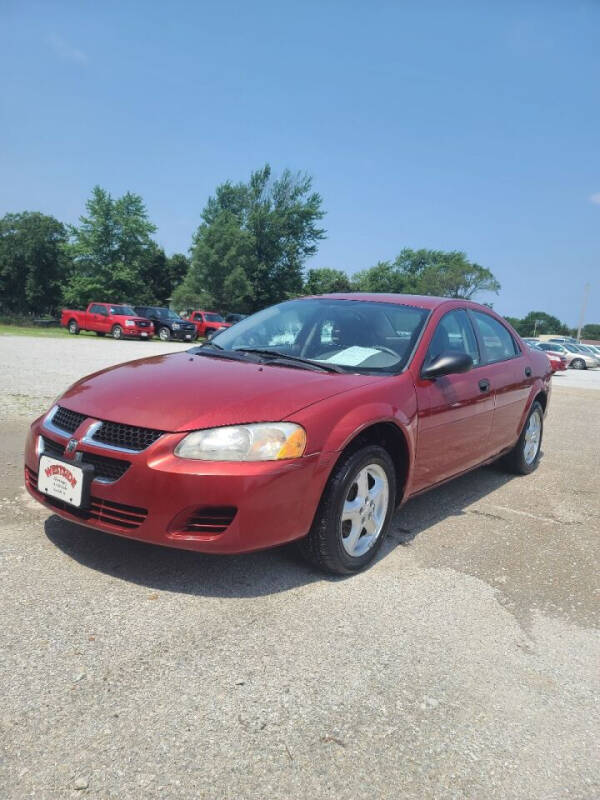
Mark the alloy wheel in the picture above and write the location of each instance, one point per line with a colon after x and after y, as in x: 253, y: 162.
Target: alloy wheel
x: 533, y: 437
x: 364, y: 510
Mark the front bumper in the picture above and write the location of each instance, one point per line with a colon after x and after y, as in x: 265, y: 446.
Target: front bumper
x: 258, y: 505
x: 136, y: 330
x: 183, y: 335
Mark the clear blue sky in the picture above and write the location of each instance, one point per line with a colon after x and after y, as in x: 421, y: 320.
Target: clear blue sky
x: 452, y: 125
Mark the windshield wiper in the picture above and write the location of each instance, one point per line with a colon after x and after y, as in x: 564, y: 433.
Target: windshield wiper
x: 276, y: 356
x: 216, y: 351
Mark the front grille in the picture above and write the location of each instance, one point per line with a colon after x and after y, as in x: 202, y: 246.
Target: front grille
x: 210, y: 519
x: 67, y: 420
x: 118, y: 515
x: 128, y: 436
x: 105, y: 468
x: 143, y: 323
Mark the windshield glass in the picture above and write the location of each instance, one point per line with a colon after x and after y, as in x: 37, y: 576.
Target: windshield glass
x: 356, y: 335
x: 214, y: 318
x: 164, y: 313
x: 123, y: 310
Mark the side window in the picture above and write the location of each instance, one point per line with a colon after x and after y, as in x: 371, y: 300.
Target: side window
x: 95, y: 309
x: 454, y: 334
x: 499, y: 344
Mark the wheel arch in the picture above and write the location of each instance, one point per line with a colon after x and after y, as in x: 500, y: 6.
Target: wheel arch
x: 389, y: 435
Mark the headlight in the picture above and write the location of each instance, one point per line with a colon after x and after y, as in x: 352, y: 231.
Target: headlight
x: 176, y: 326
x: 268, y: 441
x: 129, y: 323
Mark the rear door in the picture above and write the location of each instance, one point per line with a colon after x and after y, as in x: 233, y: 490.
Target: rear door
x: 510, y: 374
x: 454, y: 411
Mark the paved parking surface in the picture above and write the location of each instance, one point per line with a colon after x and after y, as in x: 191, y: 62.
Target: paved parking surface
x: 464, y: 664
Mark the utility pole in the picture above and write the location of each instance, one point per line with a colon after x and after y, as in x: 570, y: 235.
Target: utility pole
x: 586, y: 294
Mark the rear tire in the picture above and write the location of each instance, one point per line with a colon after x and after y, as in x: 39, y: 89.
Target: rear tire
x: 117, y: 332
x: 525, y: 455
x: 164, y: 334
x: 354, y: 514
x: 578, y: 363
x: 73, y: 327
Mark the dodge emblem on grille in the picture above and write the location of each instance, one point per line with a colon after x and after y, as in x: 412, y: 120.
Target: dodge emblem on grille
x: 71, y: 447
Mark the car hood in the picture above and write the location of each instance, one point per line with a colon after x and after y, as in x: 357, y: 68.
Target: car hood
x: 182, y: 391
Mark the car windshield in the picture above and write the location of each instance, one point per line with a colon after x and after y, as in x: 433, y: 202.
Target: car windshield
x: 354, y: 335
x: 214, y: 318
x: 164, y: 313
x: 122, y: 310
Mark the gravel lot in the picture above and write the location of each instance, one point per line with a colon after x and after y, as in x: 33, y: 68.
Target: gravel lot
x: 463, y: 664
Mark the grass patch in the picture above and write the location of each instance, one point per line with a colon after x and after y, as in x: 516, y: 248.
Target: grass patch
x: 31, y: 330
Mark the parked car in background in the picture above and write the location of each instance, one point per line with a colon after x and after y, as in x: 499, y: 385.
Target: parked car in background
x: 167, y: 324
x: 557, y: 361
x: 318, y: 417
x: 594, y: 348
x: 233, y: 318
x: 119, y: 320
x: 581, y: 358
x: 208, y: 322
x: 559, y: 339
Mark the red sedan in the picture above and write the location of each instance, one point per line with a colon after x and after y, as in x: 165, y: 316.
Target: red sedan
x: 311, y: 420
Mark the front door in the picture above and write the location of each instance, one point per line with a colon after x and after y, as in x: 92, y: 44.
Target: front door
x: 454, y: 411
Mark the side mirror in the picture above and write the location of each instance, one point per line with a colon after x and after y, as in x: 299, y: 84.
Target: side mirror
x: 447, y: 364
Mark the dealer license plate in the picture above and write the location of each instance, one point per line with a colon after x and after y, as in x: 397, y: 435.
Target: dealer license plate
x: 188, y: 336
x: 144, y: 333
x: 61, y: 480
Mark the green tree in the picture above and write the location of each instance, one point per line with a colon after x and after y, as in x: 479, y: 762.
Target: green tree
x: 178, y: 265
x: 112, y: 250
x: 537, y: 322
x: 325, y: 281
x: 33, y: 262
x: 254, y: 239
x: 430, y: 272
x: 591, y: 331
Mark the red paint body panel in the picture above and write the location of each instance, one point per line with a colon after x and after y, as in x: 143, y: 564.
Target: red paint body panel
x: 449, y: 426
x: 204, y: 325
x: 91, y: 321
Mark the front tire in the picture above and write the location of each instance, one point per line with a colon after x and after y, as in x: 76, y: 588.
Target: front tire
x: 578, y: 363
x: 209, y: 332
x: 164, y: 334
x: 354, y: 514
x: 117, y: 332
x: 73, y: 328
x: 525, y: 455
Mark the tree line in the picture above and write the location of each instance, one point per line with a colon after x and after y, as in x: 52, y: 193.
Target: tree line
x: 249, y: 251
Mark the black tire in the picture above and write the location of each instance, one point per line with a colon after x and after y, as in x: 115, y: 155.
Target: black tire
x: 164, y: 334
x: 100, y: 333
x: 117, y: 332
x: 578, y: 363
x: 73, y: 327
x: 324, y: 546
x: 516, y: 461
x: 209, y: 332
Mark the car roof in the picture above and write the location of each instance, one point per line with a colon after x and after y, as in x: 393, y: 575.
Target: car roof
x: 420, y: 301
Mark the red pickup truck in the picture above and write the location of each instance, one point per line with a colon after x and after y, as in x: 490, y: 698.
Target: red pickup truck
x: 118, y: 320
x: 208, y: 322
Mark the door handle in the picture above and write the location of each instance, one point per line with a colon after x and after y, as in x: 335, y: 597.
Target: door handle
x: 484, y: 385
x: 528, y: 372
